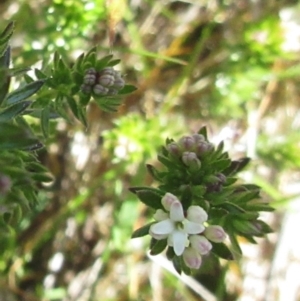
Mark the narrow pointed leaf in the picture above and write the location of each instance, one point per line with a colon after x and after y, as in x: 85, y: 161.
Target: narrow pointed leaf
x: 141, y: 231
x: 154, y: 172
x: 221, y: 250
x: 7, y: 32
x: 158, y: 247
x: 14, y: 110
x: 24, y: 92
x: 45, y: 121
x: 150, y: 198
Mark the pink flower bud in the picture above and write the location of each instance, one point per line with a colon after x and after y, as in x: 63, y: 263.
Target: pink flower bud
x: 192, y: 258
x: 187, y: 143
x: 190, y: 159
x: 200, y: 243
x: 168, y: 200
x: 198, y: 137
x: 215, y: 233
x: 203, y: 147
x: 174, y: 149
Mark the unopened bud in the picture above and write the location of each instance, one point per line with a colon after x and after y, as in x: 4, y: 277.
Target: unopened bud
x: 196, y: 214
x: 119, y: 83
x: 200, y: 243
x: 107, y: 71
x: 202, y: 148
x: 198, y: 138
x: 186, y: 143
x: 100, y: 90
x: 174, y: 149
x: 190, y: 159
x: 192, y: 258
x: 168, y: 199
x: 215, y: 233
x: 89, y: 79
x: 86, y: 89
x: 106, y: 80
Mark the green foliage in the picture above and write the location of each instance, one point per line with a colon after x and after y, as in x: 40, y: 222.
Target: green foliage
x: 55, y: 93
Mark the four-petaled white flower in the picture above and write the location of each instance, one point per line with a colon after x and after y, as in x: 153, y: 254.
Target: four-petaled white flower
x: 174, y: 226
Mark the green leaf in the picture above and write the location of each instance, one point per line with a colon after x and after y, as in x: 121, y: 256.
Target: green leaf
x: 73, y: 106
x: 170, y: 253
x: 113, y: 63
x: 5, y: 58
x: 127, y: 89
x: 234, y: 244
x: 136, y: 189
x: 42, y: 177
x: 177, y: 264
x: 203, y: 131
x: 4, y: 75
x: 236, y: 166
x: 154, y: 172
x: 24, y: 92
x: 7, y: 33
x: 142, y: 231
x: 40, y: 74
x: 186, y: 197
x: 220, y: 165
x: 150, y: 198
x: 102, y: 63
x: 82, y: 115
x: 259, y: 207
x: 232, y: 208
x: 14, y: 137
x: 45, y: 121
x: 14, y: 110
x: 158, y: 246
x: 244, y: 197
x: 18, y: 71
x: 56, y: 60
x: 78, y: 64
x: 165, y: 161
x: 221, y: 250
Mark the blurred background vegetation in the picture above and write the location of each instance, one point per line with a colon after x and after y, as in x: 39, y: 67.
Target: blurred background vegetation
x: 232, y: 65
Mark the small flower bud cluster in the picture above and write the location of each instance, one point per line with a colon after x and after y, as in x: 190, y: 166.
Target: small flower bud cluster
x: 185, y: 231
x: 105, y: 82
x: 190, y: 149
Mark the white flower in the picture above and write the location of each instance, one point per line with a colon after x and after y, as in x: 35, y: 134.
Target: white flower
x: 173, y: 225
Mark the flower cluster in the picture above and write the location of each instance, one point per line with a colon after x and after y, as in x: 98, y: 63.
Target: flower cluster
x: 198, y: 199
x: 190, y: 149
x: 105, y: 82
x: 185, y: 232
